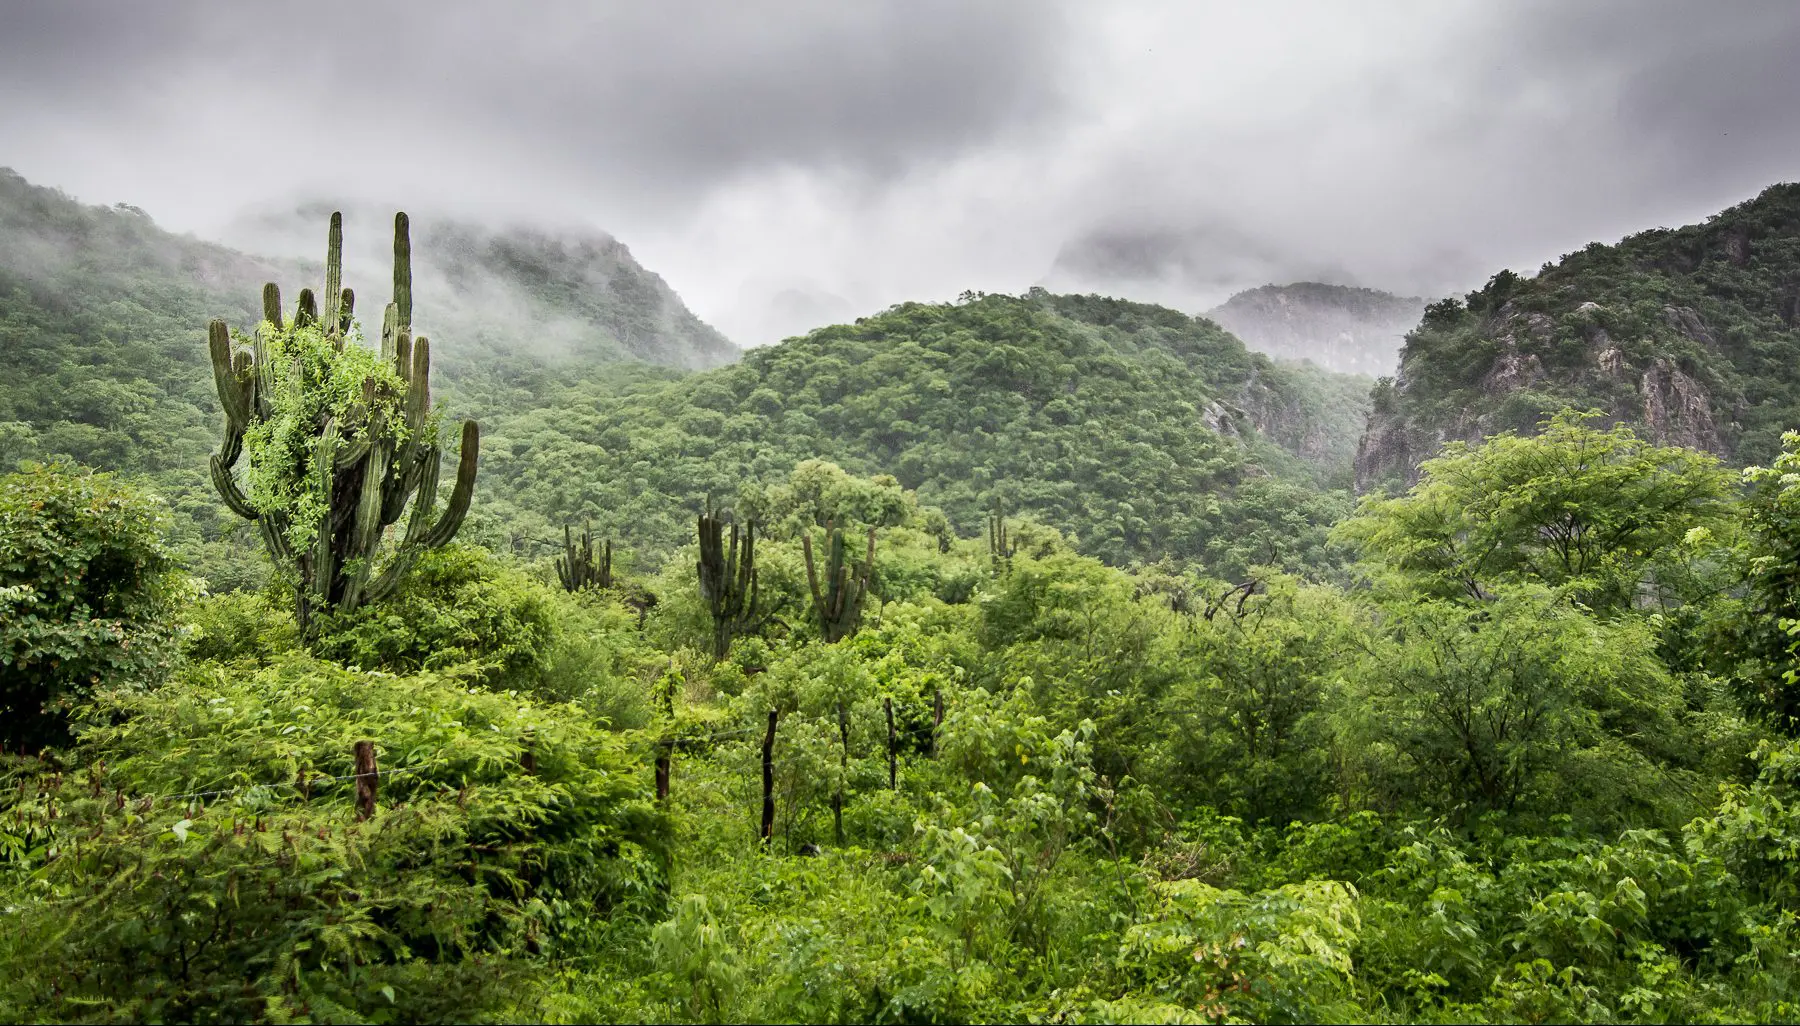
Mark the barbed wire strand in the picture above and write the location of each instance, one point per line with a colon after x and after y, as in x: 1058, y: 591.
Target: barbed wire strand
x: 191, y: 796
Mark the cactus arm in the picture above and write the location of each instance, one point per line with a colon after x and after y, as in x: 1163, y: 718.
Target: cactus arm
x: 346, y: 310
x: 403, y: 270
x: 458, y: 507
x: 565, y: 565
x: 389, y: 327
x: 418, y: 388
x: 334, y: 272
x: 274, y: 534
x: 271, y: 303
x: 307, y: 313
x: 229, y: 491
x: 232, y: 395
x: 390, y: 578
x: 323, y: 562
x: 263, y: 383
x: 812, y: 575
x: 425, y: 501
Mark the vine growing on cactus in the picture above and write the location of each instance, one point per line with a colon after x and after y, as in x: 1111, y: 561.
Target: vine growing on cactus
x: 340, y: 441
x: 838, y: 604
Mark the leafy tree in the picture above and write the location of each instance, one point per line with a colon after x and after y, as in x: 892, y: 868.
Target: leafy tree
x: 1519, y: 704
x: 87, y: 595
x: 1771, y: 628
x: 1572, y: 507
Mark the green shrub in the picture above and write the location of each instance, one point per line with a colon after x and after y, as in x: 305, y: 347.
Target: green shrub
x: 86, y: 591
x: 460, y: 605
x: 272, y: 901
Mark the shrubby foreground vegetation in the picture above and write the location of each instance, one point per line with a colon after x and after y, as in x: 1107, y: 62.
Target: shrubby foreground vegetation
x: 1536, y: 765
x: 1191, y: 744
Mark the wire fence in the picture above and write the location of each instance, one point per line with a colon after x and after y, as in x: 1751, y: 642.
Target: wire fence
x: 305, y: 781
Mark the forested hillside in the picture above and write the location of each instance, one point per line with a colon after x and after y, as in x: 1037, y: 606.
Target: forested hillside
x: 103, y: 317
x: 1142, y: 432
x: 1017, y: 659
x: 1350, y: 330
x: 103, y: 314
x: 1693, y: 334
x: 513, y: 296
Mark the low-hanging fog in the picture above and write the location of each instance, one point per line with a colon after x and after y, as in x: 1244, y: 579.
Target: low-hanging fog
x: 786, y: 164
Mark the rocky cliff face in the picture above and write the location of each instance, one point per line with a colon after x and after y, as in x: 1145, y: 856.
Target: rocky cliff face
x: 1349, y: 330
x: 1687, y: 334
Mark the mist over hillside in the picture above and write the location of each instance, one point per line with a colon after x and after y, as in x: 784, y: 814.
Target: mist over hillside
x: 1345, y: 329
x: 512, y: 291
x: 795, y: 551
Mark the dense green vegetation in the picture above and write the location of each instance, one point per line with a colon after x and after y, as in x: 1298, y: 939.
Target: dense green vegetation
x: 1014, y: 659
x: 1144, y: 433
x: 103, y: 318
x: 1691, y: 334
x: 1516, y: 780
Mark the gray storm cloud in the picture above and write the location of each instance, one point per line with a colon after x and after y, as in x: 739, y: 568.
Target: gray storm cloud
x: 779, y: 162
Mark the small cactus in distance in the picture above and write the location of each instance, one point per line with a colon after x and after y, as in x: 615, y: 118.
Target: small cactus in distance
x: 838, y: 602
x: 728, y: 584
x: 578, y: 569
x: 1001, y: 546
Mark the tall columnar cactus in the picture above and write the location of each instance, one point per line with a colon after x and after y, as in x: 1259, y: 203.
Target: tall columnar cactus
x: 838, y: 604
x: 340, y: 441
x: 728, y: 582
x: 1000, y: 546
x: 578, y: 569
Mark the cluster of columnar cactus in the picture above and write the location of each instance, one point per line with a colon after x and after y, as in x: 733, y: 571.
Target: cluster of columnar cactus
x: 579, y: 569
x: 728, y: 581
x: 364, y: 465
x: 838, y: 603
x: 1000, y: 546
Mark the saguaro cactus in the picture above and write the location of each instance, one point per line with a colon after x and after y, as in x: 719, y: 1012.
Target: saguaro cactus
x: 838, y: 603
x: 340, y: 441
x: 578, y: 569
x: 728, y: 582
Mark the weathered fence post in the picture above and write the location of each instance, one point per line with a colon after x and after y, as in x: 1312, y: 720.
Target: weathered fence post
x: 893, y: 747
x: 937, y: 717
x: 837, y: 798
x: 665, y: 757
x: 366, y: 779
x: 768, y: 809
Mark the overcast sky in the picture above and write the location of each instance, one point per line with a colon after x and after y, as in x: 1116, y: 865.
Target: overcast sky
x: 781, y: 162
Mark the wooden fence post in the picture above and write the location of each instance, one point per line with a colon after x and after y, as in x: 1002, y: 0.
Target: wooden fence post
x: 837, y: 797
x: 768, y: 809
x: 893, y: 747
x: 366, y: 779
x: 665, y: 757
x: 937, y: 717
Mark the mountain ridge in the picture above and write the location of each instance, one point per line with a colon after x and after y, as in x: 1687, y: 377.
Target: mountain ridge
x: 1690, y: 334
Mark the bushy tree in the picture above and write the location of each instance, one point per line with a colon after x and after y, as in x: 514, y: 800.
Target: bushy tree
x: 1771, y: 630
x: 1573, y: 506
x: 87, y: 589
x: 208, y: 862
